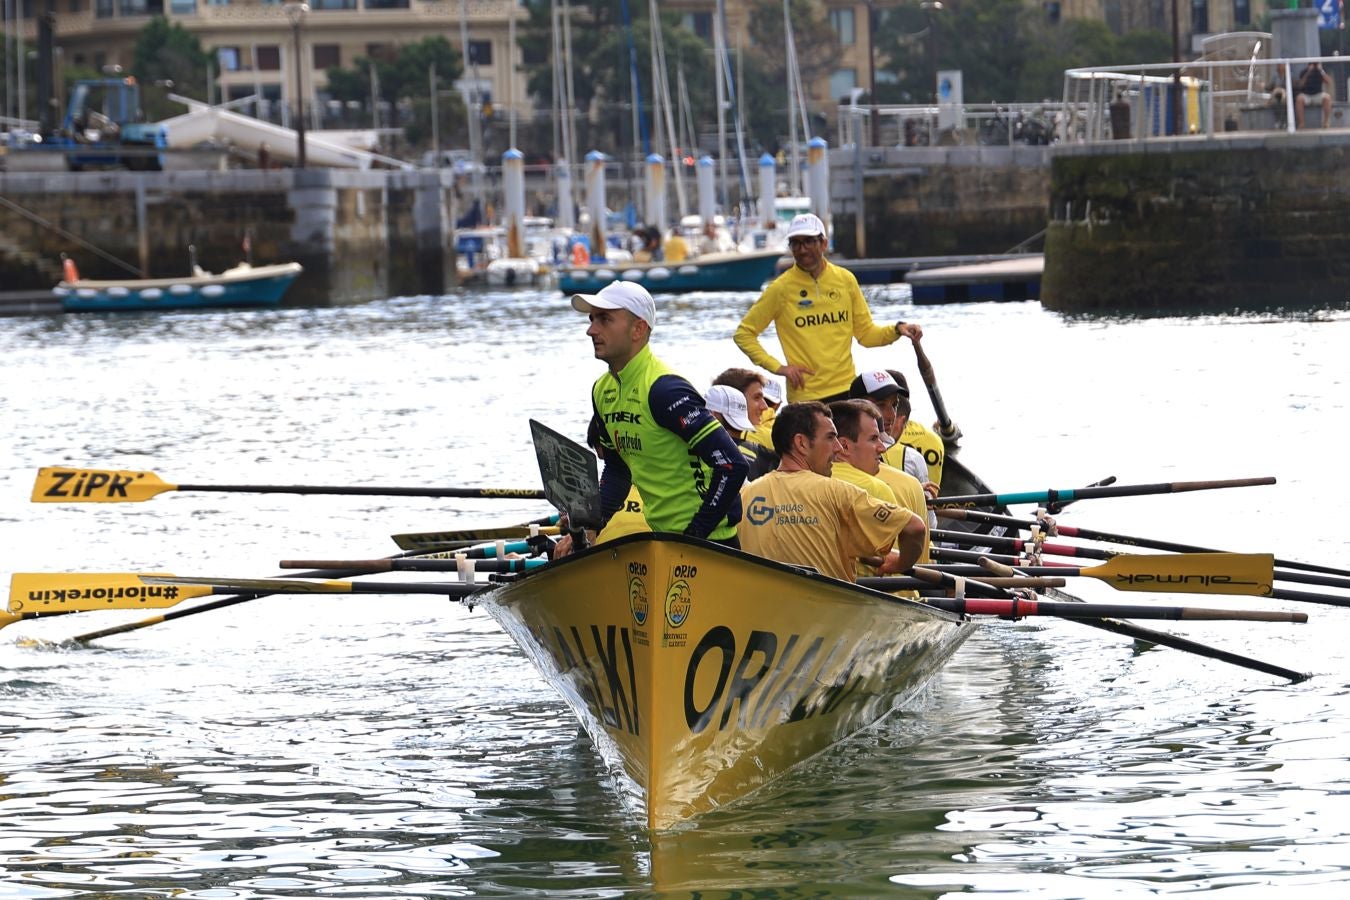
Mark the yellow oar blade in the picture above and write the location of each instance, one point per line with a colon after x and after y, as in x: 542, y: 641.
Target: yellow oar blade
x: 58, y: 484
x: 1190, y: 573
x: 249, y: 585
x: 39, y: 592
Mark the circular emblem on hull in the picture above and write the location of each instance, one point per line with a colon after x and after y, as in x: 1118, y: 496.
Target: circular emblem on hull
x: 637, y: 600
x: 678, y: 602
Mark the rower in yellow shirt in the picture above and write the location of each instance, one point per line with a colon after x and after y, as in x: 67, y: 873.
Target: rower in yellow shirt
x: 797, y: 514
x: 818, y: 311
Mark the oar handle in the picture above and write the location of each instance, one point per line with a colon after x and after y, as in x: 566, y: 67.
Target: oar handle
x: 947, y: 429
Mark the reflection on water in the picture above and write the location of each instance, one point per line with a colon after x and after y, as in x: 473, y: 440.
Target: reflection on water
x: 401, y: 746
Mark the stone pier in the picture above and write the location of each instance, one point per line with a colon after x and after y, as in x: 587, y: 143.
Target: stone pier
x: 1241, y: 221
x: 359, y: 235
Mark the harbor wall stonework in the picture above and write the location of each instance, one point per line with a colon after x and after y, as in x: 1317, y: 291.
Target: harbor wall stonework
x: 359, y: 235
x: 939, y: 201
x: 1209, y: 224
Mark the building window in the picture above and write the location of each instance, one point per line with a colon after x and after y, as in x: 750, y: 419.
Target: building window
x: 183, y: 7
x: 381, y: 52
x: 333, y: 4
x: 700, y: 23
x: 386, y: 4
x: 228, y: 59
x: 327, y: 56
x: 267, y: 58
x: 842, y: 81
x: 1199, y: 16
x: 103, y: 9
x: 133, y: 8
x: 1242, y: 12
x: 1157, y: 19
x: 841, y: 20
x: 480, y: 53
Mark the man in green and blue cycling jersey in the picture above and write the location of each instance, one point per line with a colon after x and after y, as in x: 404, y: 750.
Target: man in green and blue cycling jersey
x: 654, y: 427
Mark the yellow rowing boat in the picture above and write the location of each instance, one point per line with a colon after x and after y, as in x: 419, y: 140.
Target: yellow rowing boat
x: 702, y: 673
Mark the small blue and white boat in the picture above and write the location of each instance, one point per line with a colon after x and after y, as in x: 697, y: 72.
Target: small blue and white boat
x: 242, y: 286
x: 734, y: 271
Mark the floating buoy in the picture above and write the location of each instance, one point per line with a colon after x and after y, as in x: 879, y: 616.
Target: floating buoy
x: 580, y: 255
x: 658, y: 273
x: 118, y: 292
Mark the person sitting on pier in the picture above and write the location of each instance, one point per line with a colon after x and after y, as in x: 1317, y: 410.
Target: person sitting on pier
x: 1313, y: 86
x: 818, y: 310
x: 798, y: 514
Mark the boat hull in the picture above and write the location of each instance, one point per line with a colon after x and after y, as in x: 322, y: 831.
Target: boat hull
x: 702, y: 673
x: 710, y: 272
x: 260, y: 286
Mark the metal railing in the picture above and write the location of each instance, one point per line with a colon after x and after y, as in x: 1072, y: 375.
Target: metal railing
x: 1169, y: 100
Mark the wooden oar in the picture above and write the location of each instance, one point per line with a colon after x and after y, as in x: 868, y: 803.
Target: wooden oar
x: 191, y: 611
x: 1088, y: 493
x: 1162, y: 638
x: 571, y: 480
x: 140, y: 590
x: 413, y: 565
x: 1146, y: 582
x: 1149, y: 543
x: 1017, y: 608
x: 988, y: 586
x: 452, y: 589
x: 947, y: 429
x: 967, y: 538
x: 1180, y: 573
x: 469, y: 536
x: 66, y: 485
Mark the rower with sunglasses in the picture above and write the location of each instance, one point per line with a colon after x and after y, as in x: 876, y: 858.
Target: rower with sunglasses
x: 818, y: 310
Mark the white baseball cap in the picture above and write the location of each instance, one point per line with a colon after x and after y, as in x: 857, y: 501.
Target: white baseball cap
x: 773, y: 390
x: 806, y: 225
x: 627, y: 295
x: 731, y: 404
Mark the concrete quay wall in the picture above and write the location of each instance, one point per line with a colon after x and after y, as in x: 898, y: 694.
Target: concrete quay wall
x: 1199, y: 224
x: 938, y: 201
x: 359, y: 235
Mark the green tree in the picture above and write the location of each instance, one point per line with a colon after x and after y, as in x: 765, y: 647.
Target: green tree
x: 168, y: 52
x: 405, y: 82
x: 601, y: 69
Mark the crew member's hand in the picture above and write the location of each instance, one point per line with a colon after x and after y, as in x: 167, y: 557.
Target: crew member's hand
x: 795, y: 375
x: 931, y: 490
x: 910, y: 330
x: 890, y: 565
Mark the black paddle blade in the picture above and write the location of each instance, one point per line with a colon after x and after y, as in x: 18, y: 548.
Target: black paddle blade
x: 570, y: 474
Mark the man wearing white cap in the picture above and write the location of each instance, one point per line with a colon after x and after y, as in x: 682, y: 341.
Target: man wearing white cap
x: 818, y: 310
x: 730, y: 407
x: 654, y: 427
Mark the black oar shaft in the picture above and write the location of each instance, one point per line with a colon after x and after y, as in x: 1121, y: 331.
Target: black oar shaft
x: 359, y: 491
x: 968, y: 539
x: 1088, y: 493
x: 405, y: 565
x: 1163, y: 639
x: 1075, y: 531
x: 946, y: 430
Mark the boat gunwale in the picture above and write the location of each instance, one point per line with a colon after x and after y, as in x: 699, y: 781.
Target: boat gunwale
x: 227, y: 278
x: 764, y: 562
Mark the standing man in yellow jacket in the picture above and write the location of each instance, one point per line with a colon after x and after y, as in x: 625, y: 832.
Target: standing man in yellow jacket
x: 818, y: 311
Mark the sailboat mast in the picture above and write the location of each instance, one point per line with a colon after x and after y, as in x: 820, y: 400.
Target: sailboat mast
x: 661, y: 99
x: 719, y: 58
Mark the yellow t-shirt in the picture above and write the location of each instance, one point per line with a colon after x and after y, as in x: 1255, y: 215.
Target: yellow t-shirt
x: 676, y: 250
x: 808, y: 520
x: 847, y: 472
x: 926, y: 441
x: 628, y: 520
x: 817, y: 321
x: 763, y: 435
x: 909, y: 494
